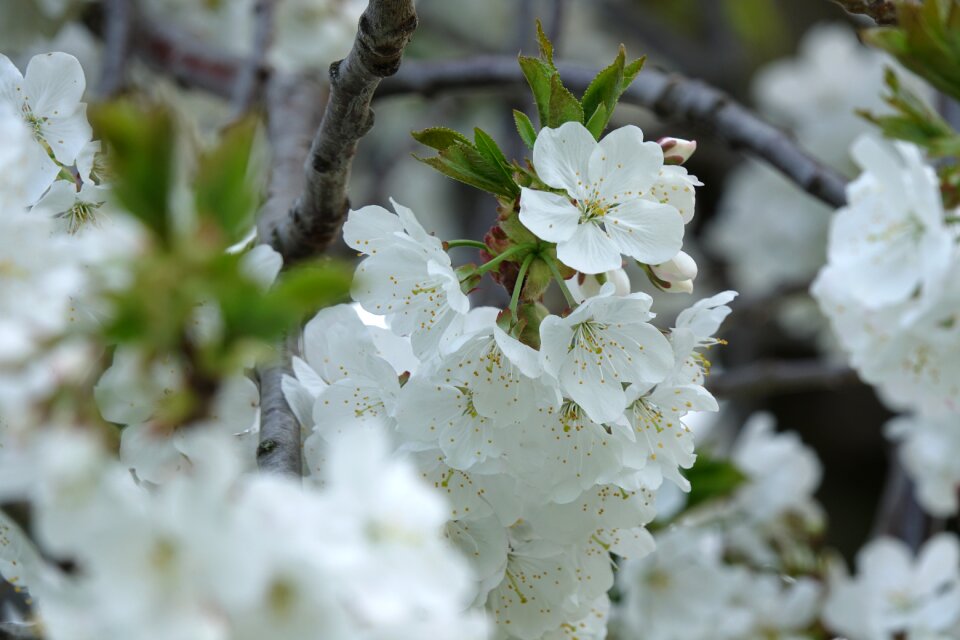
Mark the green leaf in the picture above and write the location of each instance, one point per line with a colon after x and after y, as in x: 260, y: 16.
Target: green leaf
x: 630, y: 73
x: 564, y: 107
x: 141, y: 142
x: 711, y: 479
x: 465, y: 163
x: 223, y: 190
x: 598, y: 122
x: 525, y: 128
x: 545, y: 46
x: 488, y: 148
x: 539, y: 76
x: 914, y: 120
x: 926, y: 41
x: 604, y: 91
x: 439, y: 138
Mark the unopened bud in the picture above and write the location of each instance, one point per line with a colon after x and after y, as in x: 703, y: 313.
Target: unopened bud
x: 583, y: 286
x: 677, y: 150
x: 679, y: 272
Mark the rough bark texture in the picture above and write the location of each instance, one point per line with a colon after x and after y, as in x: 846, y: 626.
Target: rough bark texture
x: 279, y: 450
x: 882, y: 11
x: 672, y: 97
x: 314, y: 220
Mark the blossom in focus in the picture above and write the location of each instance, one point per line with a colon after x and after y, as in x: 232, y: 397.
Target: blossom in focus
x: 604, y: 211
x: 48, y: 98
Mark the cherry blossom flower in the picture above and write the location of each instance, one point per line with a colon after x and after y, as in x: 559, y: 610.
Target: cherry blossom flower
x: 48, y: 98
x: 603, y: 212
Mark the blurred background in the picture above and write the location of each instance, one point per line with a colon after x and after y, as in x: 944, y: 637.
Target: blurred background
x: 797, y: 62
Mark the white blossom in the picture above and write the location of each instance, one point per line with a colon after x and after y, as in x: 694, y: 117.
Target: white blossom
x: 604, y: 212
x: 48, y: 98
x: 894, y: 593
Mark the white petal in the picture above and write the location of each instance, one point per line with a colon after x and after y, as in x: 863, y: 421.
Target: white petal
x: 54, y: 84
x: 369, y: 228
x: 648, y: 231
x: 549, y: 216
x: 42, y: 171
x: 561, y: 157
x: 590, y: 250
x: 67, y: 136
x: 623, y: 166
x: 11, y: 83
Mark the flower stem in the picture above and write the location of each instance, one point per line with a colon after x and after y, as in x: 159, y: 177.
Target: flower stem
x: 515, y: 298
x: 467, y: 243
x: 562, y: 284
x: 509, y: 253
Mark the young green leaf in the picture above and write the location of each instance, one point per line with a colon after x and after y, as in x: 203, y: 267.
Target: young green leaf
x: 439, y: 138
x: 525, y: 128
x: 465, y: 163
x: 545, y: 46
x: 598, y: 122
x: 488, y: 148
x: 539, y: 76
x: 141, y: 142
x: 223, y: 190
x: 564, y: 107
x: 711, y: 479
x: 605, y: 90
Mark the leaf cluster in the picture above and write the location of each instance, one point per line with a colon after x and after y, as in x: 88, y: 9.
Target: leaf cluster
x: 185, y: 273
x: 482, y: 164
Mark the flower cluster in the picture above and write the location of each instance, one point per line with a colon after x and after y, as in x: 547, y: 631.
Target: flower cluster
x: 890, y: 291
x: 719, y: 569
x: 222, y: 555
x: 547, y: 434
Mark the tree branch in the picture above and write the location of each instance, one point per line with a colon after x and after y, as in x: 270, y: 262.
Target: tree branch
x: 118, y: 30
x: 672, y: 97
x: 280, y: 450
x: 882, y: 11
x: 252, y: 76
x: 384, y: 31
x: 780, y: 377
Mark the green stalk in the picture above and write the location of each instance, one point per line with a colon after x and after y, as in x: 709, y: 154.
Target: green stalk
x: 509, y: 253
x: 467, y: 243
x: 560, y: 281
x: 515, y: 298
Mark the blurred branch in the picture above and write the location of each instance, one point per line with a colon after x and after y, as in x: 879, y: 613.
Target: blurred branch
x: 882, y: 11
x: 186, y: 59
x: 280, y: 449
x: 252, y: 76
x: 780, y: 377
x: 117, y: 32
x: 671, y: 96
x: 898, y: 513
x: 384, y: 31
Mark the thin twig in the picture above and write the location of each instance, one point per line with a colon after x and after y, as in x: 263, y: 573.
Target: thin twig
x: 384, y: 31
x: 117, y: 32
x: 898, y: 513
x: 280, y: 449
x: 882, y: 11
x: 253, y: 74
x: 780, y: 377
x: 673, y: 97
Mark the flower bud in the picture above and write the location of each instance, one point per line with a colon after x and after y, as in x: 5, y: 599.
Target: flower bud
x: 680, y: 271
x: 583, y: 286
x: 677, y: 150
